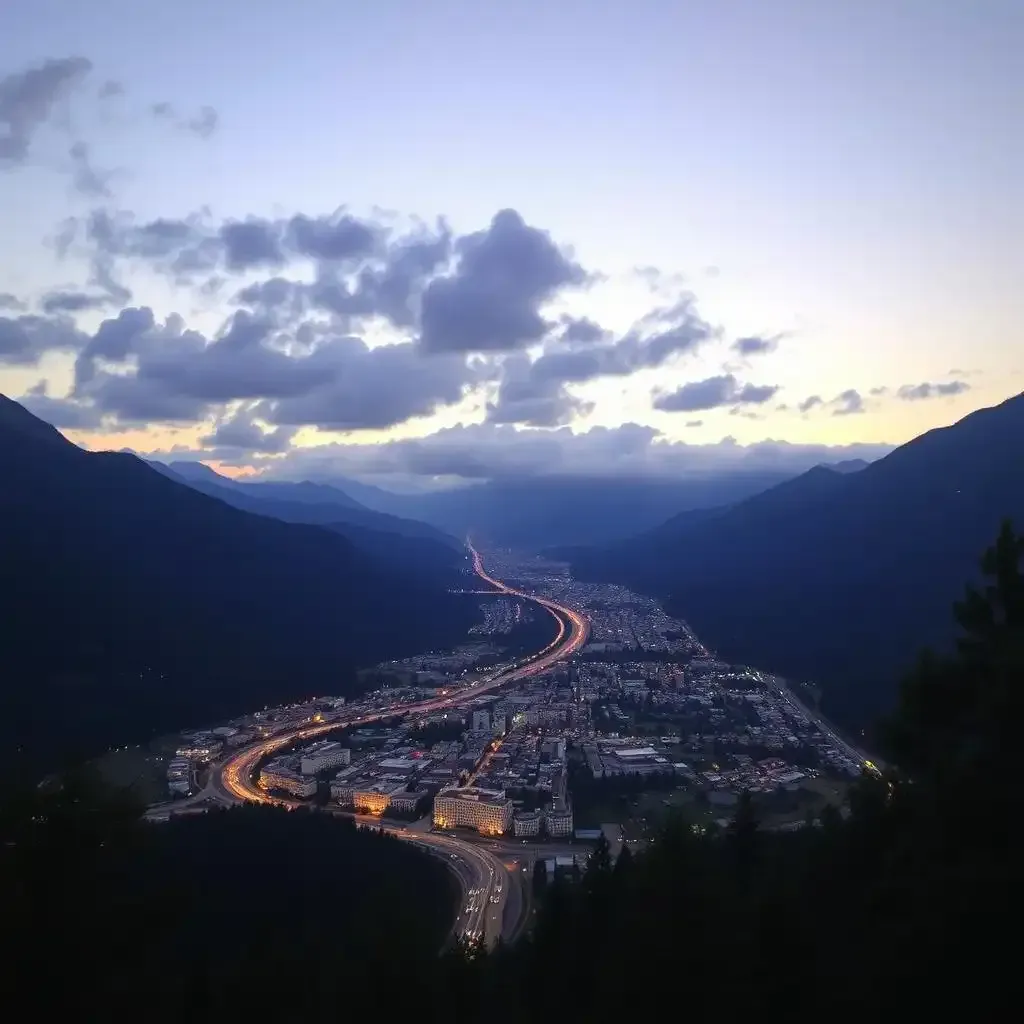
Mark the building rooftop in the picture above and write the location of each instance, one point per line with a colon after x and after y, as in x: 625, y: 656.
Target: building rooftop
x: 475, y: 794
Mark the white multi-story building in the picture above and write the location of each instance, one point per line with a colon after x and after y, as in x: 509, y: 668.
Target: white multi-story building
x: 526, y: 823
x: 377, y: 798
x: 486, y: 810
x: 281, y: 774
x: 404, y: 801
x: 559, y: 822
x: 324, y: 755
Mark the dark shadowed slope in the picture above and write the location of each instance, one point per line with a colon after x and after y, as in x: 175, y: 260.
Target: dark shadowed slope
x: 116, y: 576
x: 839, y: 577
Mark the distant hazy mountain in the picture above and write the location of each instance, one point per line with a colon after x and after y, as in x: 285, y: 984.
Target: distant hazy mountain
x: 540, y: 512
x: 840, y: 577
x: 305, y: 502
x: 848, y: 466
x: 132, y: 603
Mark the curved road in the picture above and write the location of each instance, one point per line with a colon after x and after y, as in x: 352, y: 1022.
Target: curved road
x: 483, y: 877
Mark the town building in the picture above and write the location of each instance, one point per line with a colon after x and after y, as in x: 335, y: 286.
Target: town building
x: 486, y: 810
x: 281, y: 774
x: 324, y: 755
x: 559, y: 822
x: 526, y: 824
x: 377, y: 798
x: 481, y: 721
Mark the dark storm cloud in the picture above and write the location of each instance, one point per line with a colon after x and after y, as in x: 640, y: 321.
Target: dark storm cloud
x: 28, y: 99
x: 242, y: 432
x: 493, y: 300
x: 848, y: 403
x: 918, y: 392
x: 755, y: 345
x: 24, y: 339
x: 713, y: 393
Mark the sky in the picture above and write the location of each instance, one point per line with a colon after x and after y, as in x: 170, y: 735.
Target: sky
x: 657, y: 237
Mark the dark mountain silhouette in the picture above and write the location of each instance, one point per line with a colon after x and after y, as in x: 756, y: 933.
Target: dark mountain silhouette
x: 132, y: 603
x: 839, y: 577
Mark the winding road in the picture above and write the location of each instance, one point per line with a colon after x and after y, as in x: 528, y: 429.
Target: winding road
x: 486, y: 882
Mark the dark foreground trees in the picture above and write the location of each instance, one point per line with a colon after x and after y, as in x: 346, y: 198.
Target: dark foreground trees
x: 254, y: 910
x: 903, y: 910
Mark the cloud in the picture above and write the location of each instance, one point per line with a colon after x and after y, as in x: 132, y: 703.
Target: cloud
x: 110, y: 89
x: 337, y: 238
x: 919, y: 392
x: 655, y: 339
x: 810, y: 402
x: 525, y: 399
x: 493, y: 300
x: 60, y: 412
x: 848, y: 403
x: 712, y: 393
x: 251, y: 243
x: 137, y: 369
x: 582, y: 330
x: 695, y: 423
x: 72, y: 302
x: 88, y: 180
x: 28, y: 99
x: 755, y: 345
x: 188, y: 248
x: 242, y: 432
x: 24, y: 339
x: 493, y: 451
x: 9, y: 301
x: 203, y: 124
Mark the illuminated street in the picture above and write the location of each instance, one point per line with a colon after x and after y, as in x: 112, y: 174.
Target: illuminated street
x: 484, y: 878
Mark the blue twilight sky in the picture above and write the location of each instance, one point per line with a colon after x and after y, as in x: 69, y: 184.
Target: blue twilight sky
x: 842, y: 182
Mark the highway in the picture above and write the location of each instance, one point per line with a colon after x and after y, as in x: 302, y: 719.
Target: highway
x: 485, y: 881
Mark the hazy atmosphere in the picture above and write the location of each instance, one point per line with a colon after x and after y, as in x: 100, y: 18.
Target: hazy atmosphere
x: 368, y: 241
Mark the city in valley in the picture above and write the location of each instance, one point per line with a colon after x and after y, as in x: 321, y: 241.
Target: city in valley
x: 496, y: 757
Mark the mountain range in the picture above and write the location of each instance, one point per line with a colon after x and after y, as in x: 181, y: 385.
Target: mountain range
x: 837, y: 576
x: 133, y: 603
x: 539, y: 511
